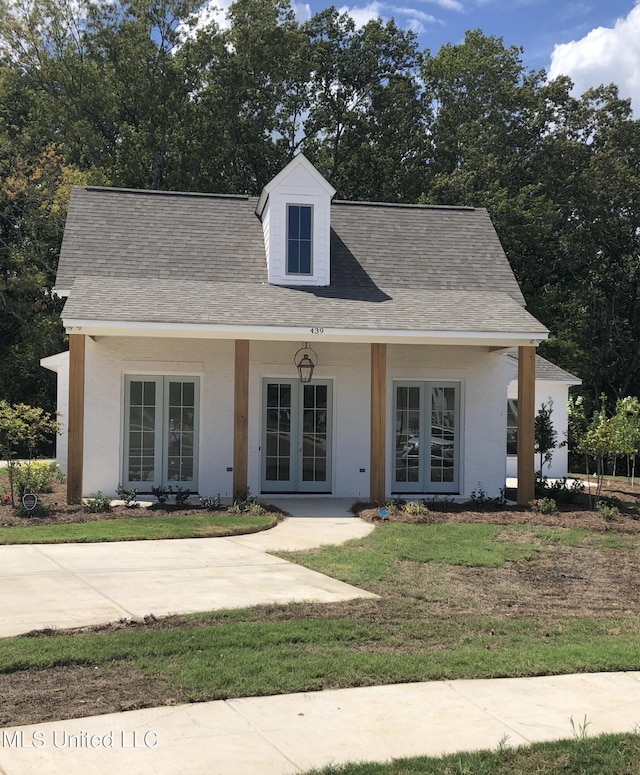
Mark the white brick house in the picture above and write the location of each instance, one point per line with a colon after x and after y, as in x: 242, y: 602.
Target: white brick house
x: 186, y: 311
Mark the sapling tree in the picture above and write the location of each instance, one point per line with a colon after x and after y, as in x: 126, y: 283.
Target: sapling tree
x: 546, y: 435
x: 26, y: 427
x: 626, y: 432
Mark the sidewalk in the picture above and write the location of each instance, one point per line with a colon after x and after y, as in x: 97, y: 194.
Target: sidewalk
x: 291, y: 733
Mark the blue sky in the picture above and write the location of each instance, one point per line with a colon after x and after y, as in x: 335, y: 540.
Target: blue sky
x: 592, y: 41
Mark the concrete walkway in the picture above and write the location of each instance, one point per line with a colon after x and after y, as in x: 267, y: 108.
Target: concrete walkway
x: 292, y: 733
x: 73, y: 585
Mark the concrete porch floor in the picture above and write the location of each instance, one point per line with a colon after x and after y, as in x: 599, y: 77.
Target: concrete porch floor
x: 312, y: 505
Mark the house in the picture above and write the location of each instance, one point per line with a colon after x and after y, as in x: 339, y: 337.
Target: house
x: 191, y: 318
x: 552, y: 389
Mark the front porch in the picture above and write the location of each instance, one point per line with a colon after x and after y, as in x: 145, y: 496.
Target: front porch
x: 362, y: 446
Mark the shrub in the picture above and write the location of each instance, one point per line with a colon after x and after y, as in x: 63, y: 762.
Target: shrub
x: 608, y: 510
x: 543, y: 505
x: 416, y: 508
x: 559, y: 490
x: 181, y: 495
x: 39, y: 511
x: 97, y: 502
x: 246, y: 503
x: 160, y: 494
x: 211, y: 503
x: 130, y: 497
x: 35, y: 477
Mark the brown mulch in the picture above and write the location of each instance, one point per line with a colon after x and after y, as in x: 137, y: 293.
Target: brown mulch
x: 573, y: 515
x: 62, y: 513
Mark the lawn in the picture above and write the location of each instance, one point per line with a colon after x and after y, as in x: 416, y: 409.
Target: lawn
x: 607, y: 754
x: 187, y: 525
x: 457, y: 601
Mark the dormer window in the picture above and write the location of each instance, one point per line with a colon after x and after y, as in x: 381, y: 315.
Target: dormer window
x: 299, y: 239
x: 295, y: 211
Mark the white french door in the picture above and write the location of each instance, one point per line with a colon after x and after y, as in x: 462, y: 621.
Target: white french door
x: 296, y: 436
x: 426, y: 437
x: 161, y: 432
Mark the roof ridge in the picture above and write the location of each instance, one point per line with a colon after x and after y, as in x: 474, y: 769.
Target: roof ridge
x: 407, y: 205
x: 157, y: 192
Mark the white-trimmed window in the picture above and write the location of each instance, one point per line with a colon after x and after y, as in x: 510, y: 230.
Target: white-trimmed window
x: 299, y: 239
x: 426, y: 437
x: 161, y: 432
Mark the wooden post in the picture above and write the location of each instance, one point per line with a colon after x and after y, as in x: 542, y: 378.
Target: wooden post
x: 526, y: 424
x: 75, y: 419
x: 378, y: 422
x: 241, y: 418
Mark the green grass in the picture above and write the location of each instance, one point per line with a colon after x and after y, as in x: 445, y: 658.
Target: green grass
x: 374, y: 559
x: 137, y: 529
x: 604, y: 755
x: 243, y: 653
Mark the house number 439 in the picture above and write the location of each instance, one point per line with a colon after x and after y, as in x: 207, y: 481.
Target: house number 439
x: 317, y: 330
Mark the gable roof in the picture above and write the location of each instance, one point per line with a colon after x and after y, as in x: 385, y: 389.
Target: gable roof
x: 546, y: 371
x: 392, y: 266
x: 299, y: 161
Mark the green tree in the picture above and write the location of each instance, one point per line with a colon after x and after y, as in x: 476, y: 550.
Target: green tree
x: 545, y: 434
x: 23, y: 427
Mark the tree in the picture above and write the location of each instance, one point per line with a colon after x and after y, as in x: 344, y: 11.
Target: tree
x: 22, y: 427
x: 545, y: 434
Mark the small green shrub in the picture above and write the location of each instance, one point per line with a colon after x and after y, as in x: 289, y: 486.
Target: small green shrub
x: 38, y: 512
x: 130, y: 497
x: 160, y: 494
x: 246, y: 503
x: 211, y: 502
x: 35, y: 477
x: 559, y: 490
x: 97, y: 503
x: 543, y: 505
x: 416, y: 508
x: 480, y: 500
x: 609, y: 511
x: 181, y: 495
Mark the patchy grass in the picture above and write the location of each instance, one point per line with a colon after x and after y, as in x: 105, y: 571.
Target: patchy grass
x: 187, y: 525
x: 611, y: 754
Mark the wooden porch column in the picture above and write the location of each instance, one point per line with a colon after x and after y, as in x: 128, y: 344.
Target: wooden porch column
x: 75, y: 418
x: 526, y: 423
x: 378, y: 422
x: 241, y: 418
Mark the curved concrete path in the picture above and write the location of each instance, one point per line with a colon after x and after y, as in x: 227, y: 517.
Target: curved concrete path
x: 292, y: 733
x: 75, y: 585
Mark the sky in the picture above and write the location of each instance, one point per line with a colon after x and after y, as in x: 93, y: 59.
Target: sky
x: 591, y: 41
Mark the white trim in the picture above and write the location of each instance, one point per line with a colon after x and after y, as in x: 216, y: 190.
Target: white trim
x: 298, y: 161
x: 302, y: 333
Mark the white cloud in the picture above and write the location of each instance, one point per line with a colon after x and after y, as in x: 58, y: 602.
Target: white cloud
x: 604, y: 55
x: 362, y: 15
x: 302, y: 11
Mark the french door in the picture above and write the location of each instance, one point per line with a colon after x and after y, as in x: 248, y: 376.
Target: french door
x: 296, y: 436
x: 161, y: 432
x: 426, y: 437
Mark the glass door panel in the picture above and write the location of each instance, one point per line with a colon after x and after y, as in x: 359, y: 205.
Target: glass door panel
x: 161, y: 432
x: 427, y: 412
x: 296, y: 452
x: 408, y: 402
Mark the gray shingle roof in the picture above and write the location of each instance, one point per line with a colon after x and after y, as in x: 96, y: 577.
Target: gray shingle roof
x: 189, y: 301
x: 157, y: 256
x: 547, y: 371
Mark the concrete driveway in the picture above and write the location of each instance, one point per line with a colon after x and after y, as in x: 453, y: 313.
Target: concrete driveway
x: 73, y: 585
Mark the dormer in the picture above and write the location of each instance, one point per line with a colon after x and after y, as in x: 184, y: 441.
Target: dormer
x: 295, y: 210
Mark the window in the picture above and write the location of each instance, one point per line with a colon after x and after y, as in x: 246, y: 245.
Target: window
x: 161, y: 432
x: 512, y: 426
x: 427, y: 437
x: 299, y: 239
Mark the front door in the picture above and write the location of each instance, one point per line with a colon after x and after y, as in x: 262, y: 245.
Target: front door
x: 161, y: 432
x: 427, y: 437
x: 296, y: 436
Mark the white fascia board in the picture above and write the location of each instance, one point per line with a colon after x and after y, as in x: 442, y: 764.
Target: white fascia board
x: 53, y: 362
x: 302, y: 333
x: 62, y: 293
x: 300, y: 160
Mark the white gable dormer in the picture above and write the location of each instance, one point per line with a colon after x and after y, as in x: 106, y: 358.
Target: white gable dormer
x: 295, y: 210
